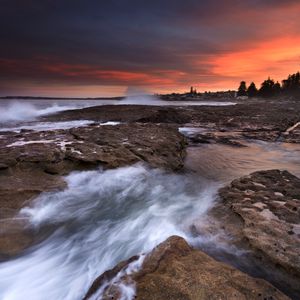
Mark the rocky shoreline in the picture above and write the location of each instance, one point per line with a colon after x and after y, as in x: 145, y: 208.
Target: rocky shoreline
x: 254, y: 119
x: 259, y: 212
x: 174, y: 270
x: 34, y: 162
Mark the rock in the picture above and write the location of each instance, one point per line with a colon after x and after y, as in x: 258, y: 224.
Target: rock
x: 255, y: 119
x: 163, y: 115
x: 34, y: 162
x: 108, y: 276
x: 16, y: 190
x: 35, y: 158
x: 3, y: 166
x: 112, y: 146
x: 266, y: 221
x: 13, y: 238
x: 159, y: 145
x: 174, y: 270
x: 233, y: 140
x: 124, y: 113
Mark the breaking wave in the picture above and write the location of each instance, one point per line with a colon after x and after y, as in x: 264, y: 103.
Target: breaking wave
x: 25, y: 111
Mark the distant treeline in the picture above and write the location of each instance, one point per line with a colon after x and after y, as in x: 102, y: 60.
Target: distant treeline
x: 270, y: 88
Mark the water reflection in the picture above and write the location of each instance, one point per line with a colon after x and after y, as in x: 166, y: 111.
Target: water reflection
x: 225, y: 163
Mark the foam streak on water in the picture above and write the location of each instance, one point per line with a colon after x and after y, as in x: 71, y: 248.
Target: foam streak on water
x: 48, y: 126
x: 103, y: 217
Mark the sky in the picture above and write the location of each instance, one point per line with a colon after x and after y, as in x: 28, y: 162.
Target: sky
x: 77, y: 48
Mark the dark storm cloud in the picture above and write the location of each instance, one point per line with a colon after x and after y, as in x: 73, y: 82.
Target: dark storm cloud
x: 122, y: 35
x: 101, y: 29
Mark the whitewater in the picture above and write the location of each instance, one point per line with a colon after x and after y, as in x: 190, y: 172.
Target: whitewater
x: 105, y: 216
x: 102, y: 218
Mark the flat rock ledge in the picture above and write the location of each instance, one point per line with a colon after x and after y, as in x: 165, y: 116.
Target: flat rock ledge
x: 276, y: 120
x: 262, y: 212
x: 174, y: 270
x: 33, y: 162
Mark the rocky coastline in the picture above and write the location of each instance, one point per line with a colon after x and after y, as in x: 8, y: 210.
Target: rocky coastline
x: 260, y: 212
x: 35, y: 162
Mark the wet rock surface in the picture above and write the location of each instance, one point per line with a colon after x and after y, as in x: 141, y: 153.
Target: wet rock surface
x: 33, y: 162
x: 266, y: 120
x: 233, y: 139
x: 47, y: 153
x: 174, y: 270
x: 261, y: 214
x: 256, y: 225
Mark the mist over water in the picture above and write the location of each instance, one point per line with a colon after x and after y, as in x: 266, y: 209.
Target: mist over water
x: 24, y: 111
x: 103, y: 217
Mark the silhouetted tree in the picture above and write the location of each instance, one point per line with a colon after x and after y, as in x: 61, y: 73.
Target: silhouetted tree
x: 291, y: 85
x: 252, y: 90
x: 270, y: 88
x: 242, y: 90
x: 193, y: 91
x: 267, y: 88
x: 276, y: 88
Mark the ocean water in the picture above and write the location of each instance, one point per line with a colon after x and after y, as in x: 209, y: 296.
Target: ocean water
x: 106, y: 216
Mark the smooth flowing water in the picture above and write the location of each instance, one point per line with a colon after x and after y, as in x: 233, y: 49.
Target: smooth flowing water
x: 103, y: 217
x: 225, y: 163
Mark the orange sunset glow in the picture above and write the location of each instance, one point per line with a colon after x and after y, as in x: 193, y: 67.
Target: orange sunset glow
x: 211, y: 51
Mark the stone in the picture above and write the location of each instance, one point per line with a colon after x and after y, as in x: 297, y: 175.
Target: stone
x: 38, y: 160
x: 174, y: 270
x: 263, y: 224
x: 3, y: 166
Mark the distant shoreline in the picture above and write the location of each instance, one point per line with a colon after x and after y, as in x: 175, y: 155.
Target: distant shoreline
x: 168, y: 98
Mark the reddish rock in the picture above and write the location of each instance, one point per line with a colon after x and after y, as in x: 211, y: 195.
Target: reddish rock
x: 174, y: 270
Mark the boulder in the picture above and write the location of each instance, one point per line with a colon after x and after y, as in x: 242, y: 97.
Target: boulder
x: 174, y: 270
